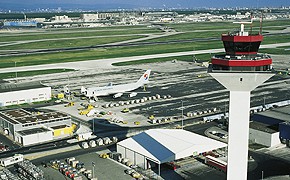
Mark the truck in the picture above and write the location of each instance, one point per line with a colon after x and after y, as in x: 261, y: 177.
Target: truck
x: 69, y: 104
x: 284, y: 135
x: 216, y: 163
x: 11, y: 160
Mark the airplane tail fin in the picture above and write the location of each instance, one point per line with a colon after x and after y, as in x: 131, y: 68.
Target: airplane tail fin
x: 66, y: 90
x: 144, y: 78
x: 83, y: 89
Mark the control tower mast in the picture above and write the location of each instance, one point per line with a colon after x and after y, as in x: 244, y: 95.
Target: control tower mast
x: 241, y: 69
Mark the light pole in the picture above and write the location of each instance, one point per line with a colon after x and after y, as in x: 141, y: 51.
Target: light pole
x: 264, y: 100
x: 93, y: 164
x: 93, y: 125
x: 15, y: 71
x: 181, y: 114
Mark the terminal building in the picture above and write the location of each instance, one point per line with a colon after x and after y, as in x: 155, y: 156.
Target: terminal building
x: 271, y: 128
x: 158, y: 146
x: 21, y: 93
x: 27, y: 128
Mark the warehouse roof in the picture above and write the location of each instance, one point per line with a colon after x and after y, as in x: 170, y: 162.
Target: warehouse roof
x: 32, y: 131
x: 9, y: 87
x: 21, y: 116
x: 164, y: 145
x: 264, y: 127
x: 279, y: 114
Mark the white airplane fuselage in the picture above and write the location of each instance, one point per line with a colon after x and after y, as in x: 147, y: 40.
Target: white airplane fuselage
x: 114, y: 89
x: 117, y: 90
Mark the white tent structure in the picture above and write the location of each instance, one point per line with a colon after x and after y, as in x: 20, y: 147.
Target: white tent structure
x: 164, y: 145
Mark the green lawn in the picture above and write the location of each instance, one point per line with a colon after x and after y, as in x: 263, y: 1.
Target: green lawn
x: 189, y: 35
x: 37, y: 36
x: 198, y: 58
x: 119, y: 52
x: 279, y: 51
x: 61, y: 43
x: 32, y: 73
x: 276, y: 39
x: 101, y: 53
x: 113, y: 52
x: 222, y: 25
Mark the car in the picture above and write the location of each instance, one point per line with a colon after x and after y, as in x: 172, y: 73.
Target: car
x: 125, y: 110
x: 102, y: 113
x: 129, y: 171
x: 44, y: 164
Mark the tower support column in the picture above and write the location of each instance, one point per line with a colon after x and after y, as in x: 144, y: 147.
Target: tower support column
x: 240, y: 85
x: 239, y: 109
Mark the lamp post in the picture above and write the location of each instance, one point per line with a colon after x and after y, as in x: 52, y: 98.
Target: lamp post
x: 181, y: 114
x: 93, y: 125
x: 15, y: 71
x: 264, y: 100
x: 93, y: 164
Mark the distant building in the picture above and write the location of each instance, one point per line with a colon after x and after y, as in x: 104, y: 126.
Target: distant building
x: 29, y: 128
x: 270, y: 128
x: 20, y: 23
x: 89, y: 17
x: 264, y: 134
x: 61, y: 19
x: 13, y: 94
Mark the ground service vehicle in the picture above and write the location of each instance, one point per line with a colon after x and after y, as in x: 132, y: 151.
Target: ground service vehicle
x: 216, y: 163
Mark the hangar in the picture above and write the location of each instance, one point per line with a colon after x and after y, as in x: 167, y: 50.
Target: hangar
x: 157, y: 146
x: 28, y: 128
x: 20, y: 93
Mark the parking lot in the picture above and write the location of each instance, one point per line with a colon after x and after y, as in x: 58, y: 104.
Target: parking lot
x: 183, y: 81
x: 104, y: 168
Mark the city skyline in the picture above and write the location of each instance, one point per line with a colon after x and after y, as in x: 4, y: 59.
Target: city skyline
x: 129, y: 4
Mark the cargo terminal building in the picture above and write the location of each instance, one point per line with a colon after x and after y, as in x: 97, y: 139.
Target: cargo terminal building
x: 27, y: 128
x: 154, y: 147
x: 20, y: 93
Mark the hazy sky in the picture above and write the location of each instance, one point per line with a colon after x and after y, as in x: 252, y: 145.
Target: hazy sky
x: 144, y: 3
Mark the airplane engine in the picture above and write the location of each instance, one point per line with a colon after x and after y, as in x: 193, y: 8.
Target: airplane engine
x: 133, y: 94
x: 117, y: 95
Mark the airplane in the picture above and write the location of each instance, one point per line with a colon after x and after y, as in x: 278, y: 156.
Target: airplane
x: 117, y: 90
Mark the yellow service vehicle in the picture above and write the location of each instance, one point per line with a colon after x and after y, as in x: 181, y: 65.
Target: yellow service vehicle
x: 151, y: 117
x: 125, y: 110
x: 104, y: 156
x: 69, y: 104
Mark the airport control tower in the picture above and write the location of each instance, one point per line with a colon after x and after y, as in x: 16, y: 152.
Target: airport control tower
x: 241, y: 69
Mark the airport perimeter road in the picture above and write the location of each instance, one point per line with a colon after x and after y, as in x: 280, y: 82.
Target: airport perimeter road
x: 269, y: 165
x: 107, y: 63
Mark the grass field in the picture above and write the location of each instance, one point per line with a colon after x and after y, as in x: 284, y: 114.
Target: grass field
x: 32, y: 73
x: 57, y: 35
x: 101, y: 53
x: 62, y: 43
x: 189, y: 35
x: 198, y: 58
x: 129, y: 33
x: 278, y: 51
x: 118, y: 52
x: 223, y: 25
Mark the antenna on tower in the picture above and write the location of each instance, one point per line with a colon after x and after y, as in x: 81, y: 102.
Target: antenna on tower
x: 261, y: 22
x: 242, y: 30
x: 251, y: 23
x: 24, y: 15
